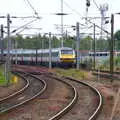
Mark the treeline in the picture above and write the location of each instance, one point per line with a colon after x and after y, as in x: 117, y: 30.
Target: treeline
x: 42, y: 42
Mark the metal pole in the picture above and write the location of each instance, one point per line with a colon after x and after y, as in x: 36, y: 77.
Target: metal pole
x: 16, y: 52
x: 112, y: 46
x: 36, y: 56
x: 102, y: 18
x: 37, y: 49
x: 8, y: 47
x: 2, y: 43
x: 94, y: 46
x: 2, y: 49
x: 62, y: 23
x: 77, y: 44
x: 50, y: 51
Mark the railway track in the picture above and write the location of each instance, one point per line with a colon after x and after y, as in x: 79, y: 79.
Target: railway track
x: 87, y: 106
x: 71, y: 98
x: 65, y: 98
x: 33, y: 88
x: 25, y: 86
x: 107, y: 74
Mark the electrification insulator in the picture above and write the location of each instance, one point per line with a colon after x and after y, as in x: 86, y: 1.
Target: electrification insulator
x: 88, y: 3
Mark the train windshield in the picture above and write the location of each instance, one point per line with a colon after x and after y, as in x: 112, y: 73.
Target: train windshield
x: 66, y: 51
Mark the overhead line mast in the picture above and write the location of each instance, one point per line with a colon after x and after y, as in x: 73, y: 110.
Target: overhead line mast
x: 62, y: 23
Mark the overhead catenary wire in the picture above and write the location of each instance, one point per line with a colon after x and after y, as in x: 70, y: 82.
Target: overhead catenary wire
x: 31, y: 6
x: 27, y: 28
x: 99, y: 27
x: 23, y: 26
x: 72, y: 26
x: 96, y: 4
x: 87, y: 19
x: 67, y: 5
x: 23, y: 17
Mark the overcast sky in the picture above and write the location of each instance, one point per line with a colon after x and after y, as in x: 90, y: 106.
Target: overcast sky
x: 47, y: 9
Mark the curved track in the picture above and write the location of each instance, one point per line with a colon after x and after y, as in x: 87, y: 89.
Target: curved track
x: 87, y: 105
x: 19, y: 91
x: 69, y: 104
x: 34, y: 88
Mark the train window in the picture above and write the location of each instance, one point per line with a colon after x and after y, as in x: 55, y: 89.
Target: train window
x: 99, y: 54
x: 66, y: 52
x: 91, y: 54
x: 106, y: 54
x: 19, y: 55
x: 45, y: 54
x: 96, y: 54
x: 55, y: 54
x: 26, y: 55
x: 32, y: 54
x: 39, y: 54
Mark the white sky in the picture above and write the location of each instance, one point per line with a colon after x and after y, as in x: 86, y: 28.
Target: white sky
x: 47, y: 8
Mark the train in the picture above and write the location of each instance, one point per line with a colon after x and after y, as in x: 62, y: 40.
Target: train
x: 64, y: 56
x: 100, y: 56
x: 104, y: 53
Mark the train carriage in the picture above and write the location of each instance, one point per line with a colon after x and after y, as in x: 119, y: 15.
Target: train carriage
x: 59, y: 56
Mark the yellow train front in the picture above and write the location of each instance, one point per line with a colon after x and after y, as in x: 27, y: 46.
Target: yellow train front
x: 67, y: 57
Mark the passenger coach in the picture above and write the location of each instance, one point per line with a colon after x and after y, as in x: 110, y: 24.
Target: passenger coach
x: 59, y: 56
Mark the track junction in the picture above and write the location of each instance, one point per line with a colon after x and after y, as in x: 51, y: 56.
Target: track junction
x: 63, y: 98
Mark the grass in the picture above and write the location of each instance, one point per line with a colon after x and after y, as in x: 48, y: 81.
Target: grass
x: 2, y: 78
x: 3, y: 81
x: 78, y: 74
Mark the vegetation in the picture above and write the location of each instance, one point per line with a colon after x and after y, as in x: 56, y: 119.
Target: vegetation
x: 78, y: 74
x: 117, y: 63
x: 42, y: 42
x: 117, y: 35
x: 105, y: 65
x: 86, y: 43
x: 3, y: 81
x: 2, y: 78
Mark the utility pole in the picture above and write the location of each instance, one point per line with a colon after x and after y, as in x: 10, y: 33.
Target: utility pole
x: 94, y: 45
x: 77, y: 44
x: 37, y: 48
x: 16, y: 52
x: 62, y: 23
x: 112, y: 46
x: 2, y: 43
x: 2, y: 48
x: 50, y: 52
x: 8, y: 70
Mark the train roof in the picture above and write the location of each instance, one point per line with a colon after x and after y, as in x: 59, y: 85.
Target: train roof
x: 20, y: 51
x: 26, y: 51
x: 54, y: 49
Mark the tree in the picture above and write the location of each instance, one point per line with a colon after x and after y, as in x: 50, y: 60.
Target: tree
x: 86, y: 43
x: 117, y: 40
x: 88, y: 38
x: 117, y: 35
